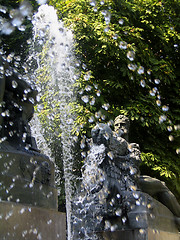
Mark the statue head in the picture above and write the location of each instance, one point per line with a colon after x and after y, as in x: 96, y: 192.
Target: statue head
x: 101, y: 134
x: 121, y: 126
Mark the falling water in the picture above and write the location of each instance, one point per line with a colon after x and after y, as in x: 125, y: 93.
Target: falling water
x: 52, y: 39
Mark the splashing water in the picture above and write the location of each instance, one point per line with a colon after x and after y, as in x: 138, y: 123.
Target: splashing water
x: 55, y: 42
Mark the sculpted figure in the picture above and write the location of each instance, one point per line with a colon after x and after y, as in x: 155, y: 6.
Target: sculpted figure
x: 120, y: 163
x: 16, y: 107
x: 147, y: 184
x: 121, y: 167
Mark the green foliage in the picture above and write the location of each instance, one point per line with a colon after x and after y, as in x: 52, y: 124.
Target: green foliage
x: 16, y: 42
x: 151, y: 29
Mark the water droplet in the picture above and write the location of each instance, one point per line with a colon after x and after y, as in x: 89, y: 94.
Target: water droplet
x: 82, y: 145
x: 106, y: 29
x: 136, y: 195
x: 110, y: 123
x: 169, y: 128
x: 35, y: 231
x: 88, y: 88
x: 104, y: 12
x: 162, y: 118
x: 110, y: 155
x: 38, y: 98
x: 121, y: 21
x: 29, y: 41
x: 25, y: 8
x: 87, y: 76
x: 165, y: 108
x: 118, y: 196
x: 91, y: 119
x: 118, y: 212
x: 98, y: 115
x: 14, y: 84
x: 42, y: 1
x: 24, y: 233
x: 9, y: 58
x: 9, y: 198
x: 176, y: 127
x: 112, y: 202
x: 131, y: 55
x: 17, y: 58
x: 22, y: 28
x: 8, y: 215
x: 152, y: 93
x: 98, y: 93
x: 138, y: 203
x: 85, y: 98
x: 93, y: 100
x: 81, y: 91
x: 83, y: 154
x: 124, y: 219
x: 93, y: 3
x: 49, y: 222
x: 103, y: 117
x: 132, y: 67
x: 106, y: 106
x: 140, y: 70
x: 3, y: 139
x: 7, y: 28
x: 27, y: 90
x: 158, y: 102
x: 39, y: 237
x: 155, y: 90
x: 157, y: 81
x: 17, y: 21
x: 115, y: 37
x: 123, y: 45
x: 143, y: 83
x: 107, y: 17
x: 171, y: 138
x: 141, y: 231
x: 31, y: 100
x: 178, y: 150
x: 96, y: 86
x: 69, y: 121
x: 133, y: 171
x: 3, y: 9
x: 114, y: 227
x: 31, y: 184
x: 22, y: 210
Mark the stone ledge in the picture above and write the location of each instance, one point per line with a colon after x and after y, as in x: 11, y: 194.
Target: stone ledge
x: 147, y: 234
x: 22, y: 222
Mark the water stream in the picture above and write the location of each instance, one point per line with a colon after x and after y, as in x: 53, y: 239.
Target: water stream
x: 54, y: 56
x: 52, y: 71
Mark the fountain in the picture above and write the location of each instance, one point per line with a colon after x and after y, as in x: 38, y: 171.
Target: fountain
x: 29, y: 204
x: 58, y: 48
x: 110, y: 203
x: 28, y: 192
x: 114, y: 201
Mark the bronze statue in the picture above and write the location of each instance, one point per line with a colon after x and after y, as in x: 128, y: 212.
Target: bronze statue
x: 112, y: 193
x: 21, y: 161
x: 16, y: 107
x: 147, y: 184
